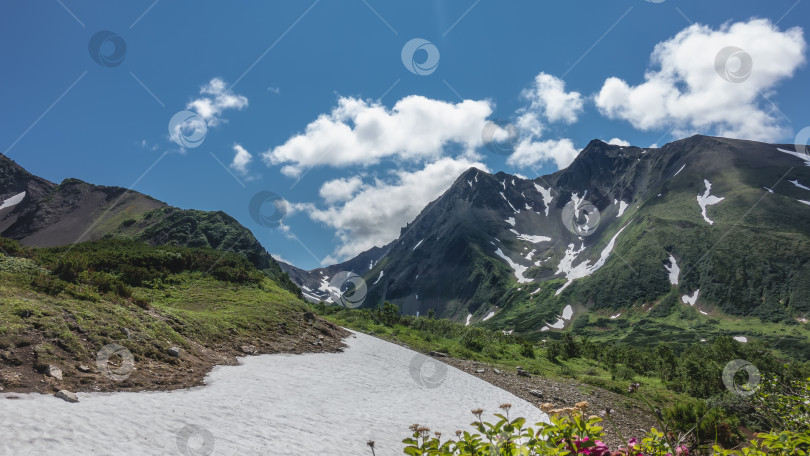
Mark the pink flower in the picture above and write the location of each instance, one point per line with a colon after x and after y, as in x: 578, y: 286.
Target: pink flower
x: 599, y: 449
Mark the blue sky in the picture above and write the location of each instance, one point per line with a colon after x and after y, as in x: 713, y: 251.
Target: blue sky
x: 562, y: 72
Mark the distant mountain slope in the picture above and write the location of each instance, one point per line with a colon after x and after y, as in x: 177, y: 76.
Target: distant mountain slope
x: 733, y: 215
x: 39, y: 213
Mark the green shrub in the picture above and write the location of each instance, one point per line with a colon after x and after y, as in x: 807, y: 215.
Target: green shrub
x: 622, y: 372
x: 48, y: 284
x: 527, y: 350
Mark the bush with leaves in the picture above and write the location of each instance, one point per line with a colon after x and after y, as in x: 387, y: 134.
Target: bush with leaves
x: 569, y: 432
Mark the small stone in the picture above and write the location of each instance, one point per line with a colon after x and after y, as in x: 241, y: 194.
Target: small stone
x: 320, y: 336
x: 523, y: 373
x: 249, y: 349
x: 480, y: 371
x: 497, y: 371
x: 126, y: 333
x: 436, y: 354
x: 66, y: 395
x: 83, y: 368
x: 53, y: 371
x: 173, y: 351
x: 536, y: 393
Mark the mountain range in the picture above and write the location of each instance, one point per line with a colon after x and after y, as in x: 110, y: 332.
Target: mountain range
x: 719, y: 225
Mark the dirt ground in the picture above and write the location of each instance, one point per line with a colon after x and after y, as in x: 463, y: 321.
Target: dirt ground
x: 18, y: 372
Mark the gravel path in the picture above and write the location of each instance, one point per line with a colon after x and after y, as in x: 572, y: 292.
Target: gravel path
x: 630, y: 416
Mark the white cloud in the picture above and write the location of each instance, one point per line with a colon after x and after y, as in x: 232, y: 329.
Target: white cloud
x: 338, y: 190
x: 686, y: 92
x: 547, y: 96
x: 241, y: 159
x: 359, y: 132
x: 619, y: 142
x: 548, y: 102
x: 216, y: 98
x: 278, y: 257
x: 374, y: 215
x: 530, y: 153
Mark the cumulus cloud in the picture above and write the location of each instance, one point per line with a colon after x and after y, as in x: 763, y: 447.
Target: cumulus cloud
x: 373, y: 213
x: 547, y: 96
x: 241, y: 159
x: 619, y: 142
x: 342, y: 189
x: 548, y: 102
x: 529, y: 153
x: 215, y: 98
x: 684, y: 90
x: 360, y: 132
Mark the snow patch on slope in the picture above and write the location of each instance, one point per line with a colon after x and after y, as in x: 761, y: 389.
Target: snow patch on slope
x: 489, y: 315
x: 380, y: 277
x: 234, y: 398
x: 532, y: 238
x: 567, y: 313
x: 583, y: 269
x: 798, y: 155
x: 518, y: 268
x: 679, y: 171
x: 13, y: 201
x: 673, y: 270
x: 510, y: 220
x: 691, y: 300
x: 546, y: 192
x: 622, y: 208
x: 796, y: 183
x: 707, y: 199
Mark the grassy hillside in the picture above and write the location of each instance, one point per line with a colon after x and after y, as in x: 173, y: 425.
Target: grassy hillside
x: 60, y: 306
x: 192, y: 228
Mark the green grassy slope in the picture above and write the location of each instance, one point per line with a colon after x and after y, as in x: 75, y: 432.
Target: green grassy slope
x: 61, y: 307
